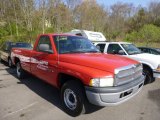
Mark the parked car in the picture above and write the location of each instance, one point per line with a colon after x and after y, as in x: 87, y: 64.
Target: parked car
x: 81, y: 73
x: 5, y: 53
x: 155, y: 51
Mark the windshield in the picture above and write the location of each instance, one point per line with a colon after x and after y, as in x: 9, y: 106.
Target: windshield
x: 74, y: 44
x: 131, y: 49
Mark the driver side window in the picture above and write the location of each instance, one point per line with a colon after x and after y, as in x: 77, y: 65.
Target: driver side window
x: 114, y: 49
x: 44, y: 40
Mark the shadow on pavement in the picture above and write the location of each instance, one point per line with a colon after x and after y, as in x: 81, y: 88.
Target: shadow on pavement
x: 46, y: 91
x: 154, y: 95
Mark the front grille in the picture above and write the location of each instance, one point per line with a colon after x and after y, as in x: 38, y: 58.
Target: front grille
x: 126, y: 74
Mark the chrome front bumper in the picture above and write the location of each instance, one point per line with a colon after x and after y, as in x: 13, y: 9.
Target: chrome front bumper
x: 111, y: 96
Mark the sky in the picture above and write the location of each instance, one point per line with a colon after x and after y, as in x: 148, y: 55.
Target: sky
x: 143, y: 3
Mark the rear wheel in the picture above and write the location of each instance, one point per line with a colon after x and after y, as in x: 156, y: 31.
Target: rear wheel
x: 10, y: 62
x: 1, y: 59
x: 20, y: 71
x: 73, y: 98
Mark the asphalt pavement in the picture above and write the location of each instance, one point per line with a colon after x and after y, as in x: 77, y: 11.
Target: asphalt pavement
x: 33, y: 99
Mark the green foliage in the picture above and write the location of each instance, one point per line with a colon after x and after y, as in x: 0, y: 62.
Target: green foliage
x: 122, y: 20
x: 3, y: 32
x: 148, y: 34
x: 49, y: 30
x: 133, y: 36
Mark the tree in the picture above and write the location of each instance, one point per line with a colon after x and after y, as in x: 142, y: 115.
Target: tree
x: 90, y: 15
x: 154, y: 13
x: 138, y: 20
x: 119, y: 15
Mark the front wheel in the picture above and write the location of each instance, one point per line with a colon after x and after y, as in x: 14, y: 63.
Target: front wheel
x: 73, y: 98
x: 10, y: 63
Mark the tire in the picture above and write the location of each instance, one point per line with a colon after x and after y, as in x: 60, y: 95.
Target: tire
x: 10, y: 62
x: 20, y: 72
x: 1, y: 59
x: 149, y: 76
x: 73, y: 98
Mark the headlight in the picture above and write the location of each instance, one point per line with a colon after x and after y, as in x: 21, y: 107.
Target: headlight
x: 158, y: 69
x: 102, y: 82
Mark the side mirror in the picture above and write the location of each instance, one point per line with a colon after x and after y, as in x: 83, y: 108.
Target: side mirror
x: 121, y: 52
x: 45, y: 48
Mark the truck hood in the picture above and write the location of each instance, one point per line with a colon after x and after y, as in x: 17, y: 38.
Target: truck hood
x: 99, y: 61
x: 150, y: 59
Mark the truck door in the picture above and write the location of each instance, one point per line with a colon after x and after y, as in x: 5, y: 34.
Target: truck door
x: 44, y: 64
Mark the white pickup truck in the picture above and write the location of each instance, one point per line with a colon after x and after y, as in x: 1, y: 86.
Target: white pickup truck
x: 151, y: 63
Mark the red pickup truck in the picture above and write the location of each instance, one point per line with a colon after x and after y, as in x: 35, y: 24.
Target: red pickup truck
x: 83, y: 74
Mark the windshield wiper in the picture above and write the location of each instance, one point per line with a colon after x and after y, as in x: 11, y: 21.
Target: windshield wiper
x: 93, y: 51
x: 78, y: 51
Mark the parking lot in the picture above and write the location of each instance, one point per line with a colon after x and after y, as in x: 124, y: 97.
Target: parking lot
x: 33, y: 99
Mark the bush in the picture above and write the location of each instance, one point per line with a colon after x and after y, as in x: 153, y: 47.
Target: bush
x: 148, y: 34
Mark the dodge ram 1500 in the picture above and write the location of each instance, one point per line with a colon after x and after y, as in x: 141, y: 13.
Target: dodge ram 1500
x: 83, y: 74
